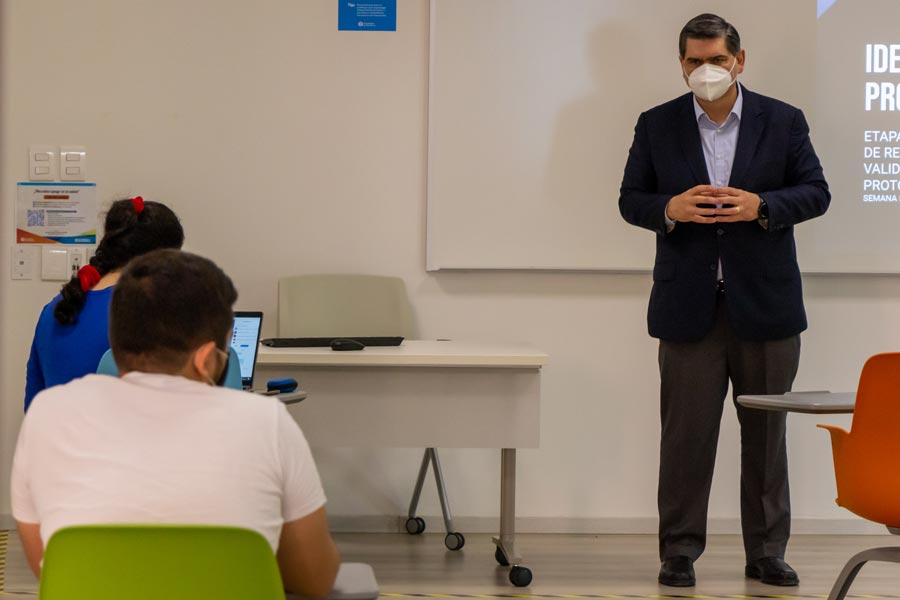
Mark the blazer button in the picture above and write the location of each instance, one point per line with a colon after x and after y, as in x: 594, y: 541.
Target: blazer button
x: 720, y: 232
x: 713, y: 267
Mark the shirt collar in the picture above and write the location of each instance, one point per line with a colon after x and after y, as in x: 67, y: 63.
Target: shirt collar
x: 166, y: 382
x: 736, y: 110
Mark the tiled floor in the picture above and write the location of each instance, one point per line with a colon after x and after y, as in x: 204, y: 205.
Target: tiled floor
x: 564, y: 565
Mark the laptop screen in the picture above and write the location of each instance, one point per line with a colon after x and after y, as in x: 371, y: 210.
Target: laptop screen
x: 245, y: 341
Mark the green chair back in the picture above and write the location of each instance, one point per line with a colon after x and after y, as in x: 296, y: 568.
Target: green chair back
x: 152, y: 562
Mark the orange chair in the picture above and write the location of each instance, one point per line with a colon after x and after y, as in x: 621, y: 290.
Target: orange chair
x: 867, y: 460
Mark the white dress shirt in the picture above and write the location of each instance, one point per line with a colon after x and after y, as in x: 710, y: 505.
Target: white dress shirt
x: 719, y: 145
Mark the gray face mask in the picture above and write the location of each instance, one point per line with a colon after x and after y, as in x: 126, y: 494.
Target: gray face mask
x: 710, y: 82
x: 220, y: 381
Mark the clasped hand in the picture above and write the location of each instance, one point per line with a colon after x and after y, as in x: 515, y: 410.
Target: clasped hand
x: 737, y: 205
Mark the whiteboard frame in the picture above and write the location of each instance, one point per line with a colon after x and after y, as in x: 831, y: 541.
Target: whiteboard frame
x: 431, y: 261
x: 430, y: 264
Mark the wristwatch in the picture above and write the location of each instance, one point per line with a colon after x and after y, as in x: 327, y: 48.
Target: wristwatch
x: 763, y: 214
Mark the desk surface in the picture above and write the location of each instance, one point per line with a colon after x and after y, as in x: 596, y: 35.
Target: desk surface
x: 819, y: 403
x: 411, y: 353
x: 291, y: 397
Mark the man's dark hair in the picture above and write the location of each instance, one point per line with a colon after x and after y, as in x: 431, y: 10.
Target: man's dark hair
x: 709, y: 27
x: 167, y: 304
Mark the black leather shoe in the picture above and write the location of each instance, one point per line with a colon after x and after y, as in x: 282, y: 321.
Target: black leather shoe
x: 773, y: 571
x: 677, y: 571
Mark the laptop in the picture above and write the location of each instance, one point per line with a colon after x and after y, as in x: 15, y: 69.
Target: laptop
x: 245, y: 341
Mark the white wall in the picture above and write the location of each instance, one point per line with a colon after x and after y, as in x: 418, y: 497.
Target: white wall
x: 289, y: 147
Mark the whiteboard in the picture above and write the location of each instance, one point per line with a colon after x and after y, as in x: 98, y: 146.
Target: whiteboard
x: 532, y: 107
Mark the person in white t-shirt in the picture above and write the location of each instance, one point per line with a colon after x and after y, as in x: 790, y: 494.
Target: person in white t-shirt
x: 162, y: 443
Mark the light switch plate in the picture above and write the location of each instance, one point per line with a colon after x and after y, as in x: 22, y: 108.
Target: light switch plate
x: 42, y: 163
x: 54, y: 263
x: 24, y: 259
x: 72, y: 163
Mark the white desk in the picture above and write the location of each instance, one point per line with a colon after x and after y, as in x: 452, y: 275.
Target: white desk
x: 818, y: 403
x: 421, y: 394
x: 287, y: 397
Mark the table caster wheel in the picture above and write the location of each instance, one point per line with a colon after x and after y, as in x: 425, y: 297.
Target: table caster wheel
x: 500, y: 557
x: 454, y: 541
x: 415, y: 525
x: 520, y: 576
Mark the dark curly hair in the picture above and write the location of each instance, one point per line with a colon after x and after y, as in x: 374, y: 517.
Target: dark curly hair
x: 127, y: 234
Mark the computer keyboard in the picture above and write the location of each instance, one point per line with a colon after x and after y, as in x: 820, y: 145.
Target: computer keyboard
x: 325, y: 342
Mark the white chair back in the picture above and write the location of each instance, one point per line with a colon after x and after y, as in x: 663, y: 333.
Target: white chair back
x: 334, y: 305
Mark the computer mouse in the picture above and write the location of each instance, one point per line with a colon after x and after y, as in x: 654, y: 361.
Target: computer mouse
x: 342, y: 344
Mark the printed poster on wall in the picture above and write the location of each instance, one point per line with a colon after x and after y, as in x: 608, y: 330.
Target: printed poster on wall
x: 366, y: 15
x: 56, y: 213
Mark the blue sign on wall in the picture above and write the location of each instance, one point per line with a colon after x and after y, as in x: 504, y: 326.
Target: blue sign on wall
x: 365, y: 15
x: 824, y: 5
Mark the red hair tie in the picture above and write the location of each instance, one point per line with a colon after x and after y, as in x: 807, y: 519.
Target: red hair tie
x: 89, y: 277
x: 138, y: 202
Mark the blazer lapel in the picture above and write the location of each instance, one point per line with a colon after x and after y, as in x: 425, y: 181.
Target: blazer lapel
x: 691, y: 145
x: 753, y: 123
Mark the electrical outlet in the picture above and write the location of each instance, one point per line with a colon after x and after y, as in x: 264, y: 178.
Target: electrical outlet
x: 76, y: 260
x: 23, y: 261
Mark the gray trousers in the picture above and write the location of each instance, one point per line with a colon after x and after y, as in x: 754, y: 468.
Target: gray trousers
x: 694, y: 384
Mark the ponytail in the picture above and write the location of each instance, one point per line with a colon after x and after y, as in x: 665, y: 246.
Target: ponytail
x: 133, y: 227
x: 74, y: 293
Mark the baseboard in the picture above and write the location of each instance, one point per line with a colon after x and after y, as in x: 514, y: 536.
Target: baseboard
x: 610, y: 525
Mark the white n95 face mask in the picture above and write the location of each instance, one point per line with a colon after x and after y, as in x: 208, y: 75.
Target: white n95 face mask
x: 710, y: 82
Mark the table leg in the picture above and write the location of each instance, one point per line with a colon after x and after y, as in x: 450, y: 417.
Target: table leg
x: 506, y: 554
x: 506, y: 541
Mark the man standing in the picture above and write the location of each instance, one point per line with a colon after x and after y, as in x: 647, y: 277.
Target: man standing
x: 163, y: 443
x: 722, y: 175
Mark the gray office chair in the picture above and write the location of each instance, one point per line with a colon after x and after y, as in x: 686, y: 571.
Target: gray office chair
x: 333, y: 305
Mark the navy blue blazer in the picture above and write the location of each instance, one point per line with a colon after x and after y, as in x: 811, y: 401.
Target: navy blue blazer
x: 775, y: 159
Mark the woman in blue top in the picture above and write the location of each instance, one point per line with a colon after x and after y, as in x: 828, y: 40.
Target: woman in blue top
x: 72, y: 332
